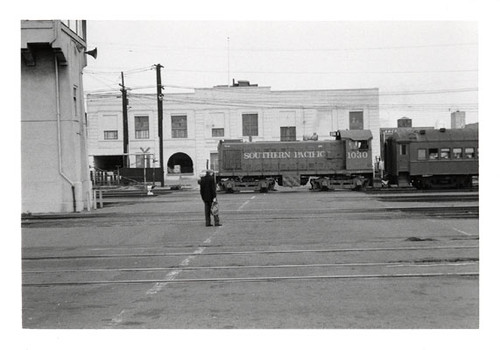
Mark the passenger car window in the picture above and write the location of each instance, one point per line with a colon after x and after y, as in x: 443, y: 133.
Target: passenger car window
x: 469, y: 153
x: 457, y: 153
x: 433, y: 153
x: 421, y: 154
x: 402, y: 150
x: 445, y: 153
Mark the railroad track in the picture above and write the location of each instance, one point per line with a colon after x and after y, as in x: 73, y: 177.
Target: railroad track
x: 457, y: 260
x: 298, y: 214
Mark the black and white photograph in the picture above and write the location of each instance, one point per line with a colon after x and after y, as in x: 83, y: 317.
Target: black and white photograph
x: 275, y: 180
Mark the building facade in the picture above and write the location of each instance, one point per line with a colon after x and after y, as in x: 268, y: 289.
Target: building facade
x: 54, y: 165
x: 194, y: 123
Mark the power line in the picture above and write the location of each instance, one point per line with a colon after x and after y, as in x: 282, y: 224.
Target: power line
x: 274, y: 104
x: 256, y: 49
x: 293, y: 94
x: 307, y: 72
x: 125, y: 72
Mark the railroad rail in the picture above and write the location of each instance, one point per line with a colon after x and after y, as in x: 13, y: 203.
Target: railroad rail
x: 463, y: 262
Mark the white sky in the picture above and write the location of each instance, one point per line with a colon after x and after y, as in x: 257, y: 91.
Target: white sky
x: 424, y: 69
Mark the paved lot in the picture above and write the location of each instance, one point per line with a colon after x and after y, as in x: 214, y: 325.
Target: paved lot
x: 291, y: 259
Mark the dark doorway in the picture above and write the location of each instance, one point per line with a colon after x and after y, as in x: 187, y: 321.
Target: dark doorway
x: 108, y: 163
x: 180, y: 163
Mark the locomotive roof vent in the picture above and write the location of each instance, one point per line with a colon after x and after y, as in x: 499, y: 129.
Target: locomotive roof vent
x: 422, y: 132
x: 442, y: 129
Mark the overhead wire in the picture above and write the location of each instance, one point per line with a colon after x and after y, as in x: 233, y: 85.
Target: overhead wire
x: 170, y: 70
x: 324, y: 72
x: 273, y: 104
x: 274, y: 49
x: 270, y: 96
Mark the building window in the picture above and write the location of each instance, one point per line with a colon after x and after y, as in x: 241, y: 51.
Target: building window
x: 75, y: 100
x: 111, y: 134
x: 142, y: 127
x: 179, y: 126
x: 250, y: 124
x: 142, y: 161
x: 76, y: 26
x: 217, y: 132
x: 421, y: 154
x: 356, y: 120
x: 288, y: 133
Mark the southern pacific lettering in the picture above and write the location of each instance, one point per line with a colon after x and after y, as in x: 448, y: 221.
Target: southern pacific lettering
x: 284, y: 155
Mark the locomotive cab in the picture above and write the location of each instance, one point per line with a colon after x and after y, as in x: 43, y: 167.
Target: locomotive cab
x: 358, y: 154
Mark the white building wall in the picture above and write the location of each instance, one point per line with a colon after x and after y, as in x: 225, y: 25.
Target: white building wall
x: 54, y: 164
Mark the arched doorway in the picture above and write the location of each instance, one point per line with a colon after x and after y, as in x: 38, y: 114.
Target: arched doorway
x: 180, y: 163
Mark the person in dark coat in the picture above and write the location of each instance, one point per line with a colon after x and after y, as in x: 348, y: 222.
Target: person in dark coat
x: 209, y: 195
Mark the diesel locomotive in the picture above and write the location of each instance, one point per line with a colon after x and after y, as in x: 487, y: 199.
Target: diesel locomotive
x: 432, y: 158
x: 343, y: 162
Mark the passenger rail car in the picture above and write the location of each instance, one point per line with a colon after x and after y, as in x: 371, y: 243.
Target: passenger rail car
x: 345, y: 162
x: 432, y: 158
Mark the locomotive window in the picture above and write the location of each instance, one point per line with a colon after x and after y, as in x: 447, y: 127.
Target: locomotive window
x: 361, y: 145
x: 457, y: 153
x: 469, y: 153
x: 445, y: 153
x: 422, y: 154
x: 433, y: 153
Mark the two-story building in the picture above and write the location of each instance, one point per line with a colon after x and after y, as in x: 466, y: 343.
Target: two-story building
x: 54, y: 158
x: 193, y: 123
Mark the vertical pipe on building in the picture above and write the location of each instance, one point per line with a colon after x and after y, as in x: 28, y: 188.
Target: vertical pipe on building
x: 59, y: 143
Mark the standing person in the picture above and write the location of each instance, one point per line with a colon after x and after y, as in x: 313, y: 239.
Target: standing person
x: 209, y: 195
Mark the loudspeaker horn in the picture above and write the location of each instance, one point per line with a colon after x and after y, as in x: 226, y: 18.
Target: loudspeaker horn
x: 92, y: 53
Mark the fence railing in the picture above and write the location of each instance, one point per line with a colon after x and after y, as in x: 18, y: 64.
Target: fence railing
x: 124, y: 176
x: 101, y: 177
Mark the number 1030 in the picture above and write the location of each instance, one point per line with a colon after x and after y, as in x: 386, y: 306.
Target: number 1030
x: 357, y: 155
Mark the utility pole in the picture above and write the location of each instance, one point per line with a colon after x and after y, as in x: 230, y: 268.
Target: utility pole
x: 159, y: 96
x: 125, y: 123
